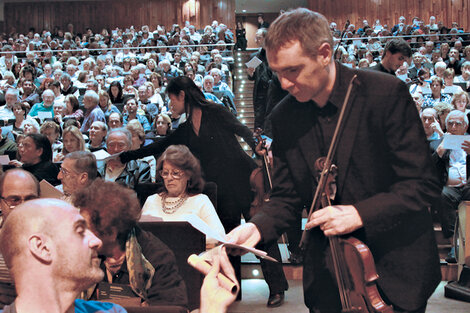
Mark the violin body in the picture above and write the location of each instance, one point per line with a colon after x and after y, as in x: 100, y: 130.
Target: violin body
x: 353, y: 263
x: 260, y: 178
x: 258, y: 187
x: 362, y: 293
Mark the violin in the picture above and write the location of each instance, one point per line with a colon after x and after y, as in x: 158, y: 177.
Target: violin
x: 353, y: 263
x: 259, y: 176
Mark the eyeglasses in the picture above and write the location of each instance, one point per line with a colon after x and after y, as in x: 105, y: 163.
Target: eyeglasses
x: 66, y: 172
x: 13, y: 201
x: 175, y: 174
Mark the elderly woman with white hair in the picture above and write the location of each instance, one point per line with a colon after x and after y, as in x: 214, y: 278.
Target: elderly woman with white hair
x: 46, y: 105
x: 30, y: 126
x: 439, y: 69
x: 219, y: 85
x: 93, y: 111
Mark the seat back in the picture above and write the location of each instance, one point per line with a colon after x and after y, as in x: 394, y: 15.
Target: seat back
x: 183, y: 240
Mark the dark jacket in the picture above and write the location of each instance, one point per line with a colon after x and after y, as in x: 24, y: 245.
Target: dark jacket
x: 7, y: 146
x: 168, y: 288
x: 379, y: 67
x: 385, y: 171
x: 261, y: 77
x: 135, y: 172
x: 44, y: 170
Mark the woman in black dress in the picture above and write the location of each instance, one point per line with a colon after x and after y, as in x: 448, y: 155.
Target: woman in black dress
x: 240, y: 33
x: 209, y: 132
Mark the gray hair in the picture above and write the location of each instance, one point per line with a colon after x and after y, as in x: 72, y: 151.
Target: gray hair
x: 209, y: 77
x: 123, y: 131
x: 66, y: 76
x: 102, y: 125
x: 459, y: 114
x: 13, y: 91
x: 92, y: 95
x: 85, y: 162
x: 47, y: 92
x: 441, y: 64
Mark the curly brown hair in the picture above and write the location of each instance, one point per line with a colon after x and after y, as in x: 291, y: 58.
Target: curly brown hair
x: 182, y: 158
x: 111, y: 207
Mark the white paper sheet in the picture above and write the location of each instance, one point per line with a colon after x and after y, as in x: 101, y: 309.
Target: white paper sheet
x: 254, y: 62
x: 101, y: 154
x: 44, y: 115
x: 454, y: 141
x: 199, y: 224
x: 4, y: 159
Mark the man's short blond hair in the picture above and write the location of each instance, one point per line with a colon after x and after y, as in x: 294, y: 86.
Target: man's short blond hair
x: 310, y: 28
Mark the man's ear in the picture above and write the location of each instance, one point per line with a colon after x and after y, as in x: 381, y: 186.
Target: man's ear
x: 83, y: 178
x: 325, y: 53
x: 39, y: 247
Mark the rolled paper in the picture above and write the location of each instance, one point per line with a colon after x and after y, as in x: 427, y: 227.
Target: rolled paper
x: 204, y: 267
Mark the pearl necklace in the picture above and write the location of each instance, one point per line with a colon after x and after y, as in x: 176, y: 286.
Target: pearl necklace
x: 175, y: 204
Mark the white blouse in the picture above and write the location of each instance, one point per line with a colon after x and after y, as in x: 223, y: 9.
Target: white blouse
x: 199, y: 205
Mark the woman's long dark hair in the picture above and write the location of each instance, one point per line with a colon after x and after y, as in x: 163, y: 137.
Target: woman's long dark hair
x: 41, y: 141
x: 193, y: 96
x: 119, y: 98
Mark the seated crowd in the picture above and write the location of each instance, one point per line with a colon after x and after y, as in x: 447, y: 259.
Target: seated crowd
x: 62, y: 102
x: 74, y: 88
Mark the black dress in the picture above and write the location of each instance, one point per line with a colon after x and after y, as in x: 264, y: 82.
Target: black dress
x: 241, y: 39
x: 223, y: 161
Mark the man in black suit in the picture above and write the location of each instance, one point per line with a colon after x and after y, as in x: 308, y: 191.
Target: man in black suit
x: 261, y: 75
x: 386, y: 180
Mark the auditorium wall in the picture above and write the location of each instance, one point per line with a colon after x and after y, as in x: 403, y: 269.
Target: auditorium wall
x: 388, y: 11
x: 99, y: 14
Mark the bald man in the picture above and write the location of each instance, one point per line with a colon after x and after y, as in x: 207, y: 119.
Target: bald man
x: 52, y: 256
x: 16, y: 187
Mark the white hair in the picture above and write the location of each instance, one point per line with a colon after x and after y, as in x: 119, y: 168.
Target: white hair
x: 208, y: 77
x: 92, y: 95
x: 48, y: 92
x: 441, y: 65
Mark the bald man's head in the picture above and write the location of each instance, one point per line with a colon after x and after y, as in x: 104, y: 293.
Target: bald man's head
x: 17, y: 186
x: 35, y: 216
x: 50, y: 235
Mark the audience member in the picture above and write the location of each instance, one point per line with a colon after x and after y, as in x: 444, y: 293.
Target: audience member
x: 129, y: 173
x: 93, y: 111
x: 452, y: 166
x: 72, y: 141
x: 396, y: 52
x: 97, y: 134
x: 35, y: 156
x: 181, y: 193
x: 115, y: 120
x: 132, y: 108
x: 133, y: 257
x: 77, y: 171
x: 52, y: 256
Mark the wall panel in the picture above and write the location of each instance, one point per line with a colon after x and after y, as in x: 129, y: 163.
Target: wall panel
x: 106, y: 13
x: 388, y: 11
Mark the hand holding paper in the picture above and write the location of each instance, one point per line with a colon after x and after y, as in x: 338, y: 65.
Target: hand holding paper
x: 254, y: 62
x: 454, y: 141
x: 241, y: 240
